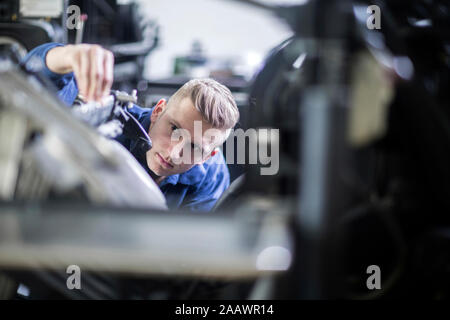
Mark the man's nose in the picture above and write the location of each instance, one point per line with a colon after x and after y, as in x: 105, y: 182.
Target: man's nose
x: 176, y: 149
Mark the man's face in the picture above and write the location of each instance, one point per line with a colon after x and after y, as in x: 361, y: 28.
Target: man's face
x: 178, y: 142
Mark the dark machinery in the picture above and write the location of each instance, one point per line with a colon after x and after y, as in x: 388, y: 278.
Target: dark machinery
x: 365, y: 128
x: 121, y: 28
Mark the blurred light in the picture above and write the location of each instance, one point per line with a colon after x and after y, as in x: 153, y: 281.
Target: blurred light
x: 274, y: 258
x: 253, y: 59
x: 284, y: 2
x: 384, y: 58
x: 420, y: 22
x: 23, y: 290
x: 404, y: 67
x: 360, y: 13
x: 299, y: 61
x: 375, y: 39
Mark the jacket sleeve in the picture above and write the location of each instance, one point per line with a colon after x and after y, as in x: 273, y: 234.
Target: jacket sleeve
x: 65, y: 84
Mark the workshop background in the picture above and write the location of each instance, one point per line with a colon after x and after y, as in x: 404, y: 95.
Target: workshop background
x: 224, y: 30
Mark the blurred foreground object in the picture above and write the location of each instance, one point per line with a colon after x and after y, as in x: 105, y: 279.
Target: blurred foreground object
x: 46, y: 153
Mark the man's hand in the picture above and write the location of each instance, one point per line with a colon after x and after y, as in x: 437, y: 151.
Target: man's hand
x: 92, y: 65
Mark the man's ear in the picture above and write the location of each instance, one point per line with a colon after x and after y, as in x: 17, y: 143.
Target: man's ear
x: 158, y: 109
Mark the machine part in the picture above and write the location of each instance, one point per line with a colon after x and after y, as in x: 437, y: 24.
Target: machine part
x: 8, y: 287
x: 18, y: 49
x: 135, y: 242
x: 371, y: 94
x: 13, y: 129
x: 65, y: 153
x: 113, y: 115
x: 45, y: 8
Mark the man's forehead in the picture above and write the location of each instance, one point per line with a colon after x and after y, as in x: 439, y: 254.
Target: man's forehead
x: 200, y: 131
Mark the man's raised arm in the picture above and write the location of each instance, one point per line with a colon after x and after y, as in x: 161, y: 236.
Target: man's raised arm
x: 92, y: 65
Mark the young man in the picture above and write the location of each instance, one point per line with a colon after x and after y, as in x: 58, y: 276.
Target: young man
x: 186, y: 131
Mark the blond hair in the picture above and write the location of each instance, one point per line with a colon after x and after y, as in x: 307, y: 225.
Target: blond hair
x: 213, y: 100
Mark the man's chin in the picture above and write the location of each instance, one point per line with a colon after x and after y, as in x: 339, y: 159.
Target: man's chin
x: 159, y: 172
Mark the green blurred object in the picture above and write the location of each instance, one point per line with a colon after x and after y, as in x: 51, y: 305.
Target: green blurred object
x: 185, y: 64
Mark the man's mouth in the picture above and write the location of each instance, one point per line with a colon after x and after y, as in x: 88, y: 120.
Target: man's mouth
x: 164, y: 162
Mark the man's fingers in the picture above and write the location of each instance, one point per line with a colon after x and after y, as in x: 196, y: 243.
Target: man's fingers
x: 83, y: 77
x: 96, y: 72
x: 108, y: 72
